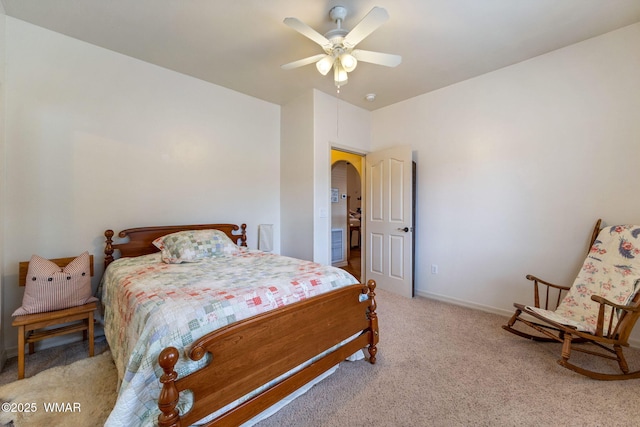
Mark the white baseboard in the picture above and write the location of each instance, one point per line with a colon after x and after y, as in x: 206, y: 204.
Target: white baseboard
x: 632, y: 342
x: 465, y: 303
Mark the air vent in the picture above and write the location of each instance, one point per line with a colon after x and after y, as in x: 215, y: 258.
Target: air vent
x: 337, y: 247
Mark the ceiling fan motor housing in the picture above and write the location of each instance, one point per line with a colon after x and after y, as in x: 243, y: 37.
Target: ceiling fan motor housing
x: 338, y: 13
x: 337, y: 35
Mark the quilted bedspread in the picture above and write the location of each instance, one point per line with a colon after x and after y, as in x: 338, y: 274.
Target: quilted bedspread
x: 150, y: 305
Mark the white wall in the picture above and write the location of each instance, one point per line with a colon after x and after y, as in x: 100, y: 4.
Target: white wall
x: 337, y: 124
x: 98, y: 140
x: 296, y: 177
x: 311, y: 125
x: 2, y: 198
x: 514, y: 168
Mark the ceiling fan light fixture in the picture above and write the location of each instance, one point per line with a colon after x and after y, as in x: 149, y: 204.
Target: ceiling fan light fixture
x: 325, y: 64
x: 349, y: 62
x: 339, y: 44
x: 340, y: 76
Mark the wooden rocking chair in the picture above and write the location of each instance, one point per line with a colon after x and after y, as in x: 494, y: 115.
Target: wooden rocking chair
x: 600, y: 308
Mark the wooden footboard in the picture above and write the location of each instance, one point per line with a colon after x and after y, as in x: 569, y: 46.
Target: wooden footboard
x: 250, y: 353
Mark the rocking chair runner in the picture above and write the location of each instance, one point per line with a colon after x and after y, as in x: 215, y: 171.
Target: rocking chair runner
x: 600, y: 308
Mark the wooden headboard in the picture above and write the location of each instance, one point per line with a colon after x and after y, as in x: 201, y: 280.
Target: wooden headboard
x: 140, y: 239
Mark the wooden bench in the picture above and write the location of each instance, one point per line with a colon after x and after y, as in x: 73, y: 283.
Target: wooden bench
x: 31, y: 327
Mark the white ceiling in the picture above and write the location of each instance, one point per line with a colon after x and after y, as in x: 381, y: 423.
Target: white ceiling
x: 241, y: 44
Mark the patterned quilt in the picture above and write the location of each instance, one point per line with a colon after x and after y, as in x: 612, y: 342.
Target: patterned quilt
x: 150, y: 305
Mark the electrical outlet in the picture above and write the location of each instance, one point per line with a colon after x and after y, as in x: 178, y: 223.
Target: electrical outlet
x: 434, y: 268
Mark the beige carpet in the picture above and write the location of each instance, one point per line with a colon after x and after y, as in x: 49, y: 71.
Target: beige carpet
x: 445, y: 365
x: 438, y: 365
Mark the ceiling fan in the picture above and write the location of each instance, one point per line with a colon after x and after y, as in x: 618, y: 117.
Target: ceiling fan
x: 339, y: 45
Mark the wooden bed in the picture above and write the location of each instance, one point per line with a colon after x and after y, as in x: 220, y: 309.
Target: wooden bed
x: 273, y: 343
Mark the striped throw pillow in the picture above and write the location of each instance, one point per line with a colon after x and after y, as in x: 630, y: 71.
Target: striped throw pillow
x: 49, y: 287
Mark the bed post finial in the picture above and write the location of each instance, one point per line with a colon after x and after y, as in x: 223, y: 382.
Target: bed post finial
x: 373, y: 321
x: 169, y: 395
x: 108, y: 248
x: 243, y: 237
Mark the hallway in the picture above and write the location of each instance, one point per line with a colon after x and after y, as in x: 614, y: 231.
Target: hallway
x: 354, y: 263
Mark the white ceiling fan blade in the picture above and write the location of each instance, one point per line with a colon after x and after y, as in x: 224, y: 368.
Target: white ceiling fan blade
x: 374, y: 19
x: 307, y: 31
x: 386, y: 59
x: 304, y: 61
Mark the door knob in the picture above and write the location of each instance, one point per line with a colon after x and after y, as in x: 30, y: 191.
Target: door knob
x: 406, y: 229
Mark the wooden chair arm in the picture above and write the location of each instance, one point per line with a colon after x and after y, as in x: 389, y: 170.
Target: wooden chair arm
x: 536, y: 292
x: 603, y: 301
x: 544, y: 282
x: 601, y: 312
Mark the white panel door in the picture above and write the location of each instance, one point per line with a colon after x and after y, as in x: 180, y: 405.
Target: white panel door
x: 389, y: 219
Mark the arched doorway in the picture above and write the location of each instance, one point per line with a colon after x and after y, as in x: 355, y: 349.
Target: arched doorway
x: 347, y: 212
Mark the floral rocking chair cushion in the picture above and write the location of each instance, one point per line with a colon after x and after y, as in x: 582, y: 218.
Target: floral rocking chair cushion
x: 611, y: 270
